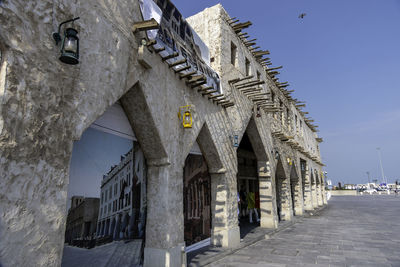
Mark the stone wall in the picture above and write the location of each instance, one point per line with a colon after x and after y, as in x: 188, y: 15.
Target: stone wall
x: 46, y: 105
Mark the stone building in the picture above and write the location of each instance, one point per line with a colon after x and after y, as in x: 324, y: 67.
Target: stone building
x: 45, y: 105
x: 122, y: 198
x: 81, y: 219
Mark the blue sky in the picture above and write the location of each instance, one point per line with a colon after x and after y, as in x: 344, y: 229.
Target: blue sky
x: 343, y: 59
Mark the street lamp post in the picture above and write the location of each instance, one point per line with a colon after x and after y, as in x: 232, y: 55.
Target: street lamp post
x: 380, y: 162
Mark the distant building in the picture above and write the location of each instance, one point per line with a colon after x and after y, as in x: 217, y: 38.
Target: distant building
x: 122, y: 198
x: 82, y: 219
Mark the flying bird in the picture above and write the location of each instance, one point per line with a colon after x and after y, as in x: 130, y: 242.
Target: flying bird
x: 302, y: 15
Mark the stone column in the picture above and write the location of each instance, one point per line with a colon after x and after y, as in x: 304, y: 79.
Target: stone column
x: 286, y: 203
x: 314, y: 195
x: 319, y: 191
x: 308, y: 201
x: 324, y: 199
x: 298, y: 197
x: 225, y: 231
x: 268, y: 212
x: 164, y: 228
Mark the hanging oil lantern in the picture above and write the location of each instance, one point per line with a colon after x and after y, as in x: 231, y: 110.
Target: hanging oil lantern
x: 258, y: 112
x: 70, y: 44
x: 236, y: 141
x: 185, y: 115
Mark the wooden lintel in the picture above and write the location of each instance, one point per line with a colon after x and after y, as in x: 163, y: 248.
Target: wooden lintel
x: 276, y: 68
x: 253, y: 48
x: 250, y: 84
x: 197, y: 78
x: 182, y: 69
x: 158, y: 50
x: 250, y: 90
x: 178, y: 62
x: 249, y: 44
x: 188, y: 74
x: 215, y: 96
x: 151, y: 42
x: 145, y: 25
x: 240, y: 79
x: 209, y: 92
x: 175, y: 54
x: 228, y: 105
x: 205, y: 88
x: 198, y: 84
x: 234, y: 21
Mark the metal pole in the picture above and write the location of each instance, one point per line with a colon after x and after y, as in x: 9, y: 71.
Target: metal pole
x: 369, y: 181
x: 380, y: 161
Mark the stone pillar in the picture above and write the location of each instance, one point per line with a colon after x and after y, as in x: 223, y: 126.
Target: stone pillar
x: 268, y: 212
x: 164, y: 228
x: 298, y: 197
x: 320, y: 197
x: 324, y: 199
x: 308, y: 201
x: 286, y: 200
x: 314, y: 195
x: 225, y: 231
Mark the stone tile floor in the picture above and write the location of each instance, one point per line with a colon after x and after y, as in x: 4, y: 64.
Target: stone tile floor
x: 351, y: 231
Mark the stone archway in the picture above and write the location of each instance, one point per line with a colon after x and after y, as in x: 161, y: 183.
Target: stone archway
x: 258, y: 150
x: 223, y: 232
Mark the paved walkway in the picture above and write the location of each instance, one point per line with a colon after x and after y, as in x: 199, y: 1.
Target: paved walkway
x: 351, y: 231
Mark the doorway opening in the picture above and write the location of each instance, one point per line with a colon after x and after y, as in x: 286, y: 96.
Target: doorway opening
x: 248, y: 187
x: 196, y: 200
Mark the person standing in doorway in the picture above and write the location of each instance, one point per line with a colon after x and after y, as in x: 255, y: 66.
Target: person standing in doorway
x: 251, y: 206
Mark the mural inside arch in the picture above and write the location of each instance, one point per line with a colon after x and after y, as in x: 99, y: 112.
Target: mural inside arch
x: 107, y: 187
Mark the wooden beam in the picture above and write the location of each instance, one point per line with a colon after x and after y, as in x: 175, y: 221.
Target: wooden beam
x: 240, y: 79
x: 250, y: 90
x: 151, y: 42
x: 188, y: 74
x: 215, y: 96
x: 198, y: 84
x: 250, y: 84
x: 182, y: 69
x: 197, y: 78
x: 178, y: 62
x: 158, y: 50
x: 209, y: 92
x: 205, y: 88
x: 175, y: 54
x: 276, y: 68
x: 145, y: 25
x: 228, y: 105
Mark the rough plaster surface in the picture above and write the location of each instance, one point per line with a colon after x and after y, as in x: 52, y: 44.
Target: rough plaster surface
x: 46, y: 105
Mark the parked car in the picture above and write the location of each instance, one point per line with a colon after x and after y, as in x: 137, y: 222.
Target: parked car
x: 370, y: 191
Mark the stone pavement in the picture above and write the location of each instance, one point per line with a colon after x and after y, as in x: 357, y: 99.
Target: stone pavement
x: 351, y: 231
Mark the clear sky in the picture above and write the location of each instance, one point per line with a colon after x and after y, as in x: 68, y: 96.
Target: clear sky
x: 343, y: 59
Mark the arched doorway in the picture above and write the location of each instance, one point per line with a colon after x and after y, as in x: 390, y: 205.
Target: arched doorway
x: 248, y: 187
x: 196, y: 199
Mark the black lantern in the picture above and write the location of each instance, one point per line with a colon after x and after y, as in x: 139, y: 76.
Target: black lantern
x: 69, y: 45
